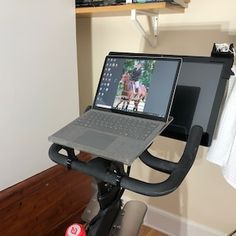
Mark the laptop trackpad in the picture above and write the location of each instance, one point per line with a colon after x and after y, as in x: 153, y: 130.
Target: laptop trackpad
x: 96, y: 140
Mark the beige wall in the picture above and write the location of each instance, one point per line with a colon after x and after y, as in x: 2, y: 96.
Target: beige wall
x: 38, y: 82
x: 204, y: 196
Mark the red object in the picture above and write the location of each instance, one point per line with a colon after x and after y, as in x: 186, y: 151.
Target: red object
x: 75, y: 230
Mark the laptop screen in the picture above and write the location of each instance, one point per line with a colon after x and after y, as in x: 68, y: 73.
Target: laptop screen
x: 138, y: 85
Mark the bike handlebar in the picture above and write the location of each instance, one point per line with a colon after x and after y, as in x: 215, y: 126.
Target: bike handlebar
x: 98, y: 167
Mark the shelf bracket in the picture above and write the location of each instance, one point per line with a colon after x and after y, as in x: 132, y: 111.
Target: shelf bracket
x: 150, y: 36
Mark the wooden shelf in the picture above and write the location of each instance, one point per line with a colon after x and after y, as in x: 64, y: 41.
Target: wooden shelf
x: 120, y: 10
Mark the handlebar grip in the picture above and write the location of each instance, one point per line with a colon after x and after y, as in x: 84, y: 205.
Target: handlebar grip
x: 156, y: 163
x: 177, y: 174
x: 94, y: 168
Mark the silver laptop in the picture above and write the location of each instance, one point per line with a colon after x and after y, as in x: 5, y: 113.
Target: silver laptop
x: 130, y: 109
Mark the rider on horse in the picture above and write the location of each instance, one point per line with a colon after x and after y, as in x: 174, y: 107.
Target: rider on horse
x: 135, y: 76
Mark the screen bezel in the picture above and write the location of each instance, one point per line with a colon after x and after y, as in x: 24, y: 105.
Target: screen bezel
x: 141, y: 114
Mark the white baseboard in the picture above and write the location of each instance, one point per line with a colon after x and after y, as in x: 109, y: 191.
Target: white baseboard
x: 174, y: 225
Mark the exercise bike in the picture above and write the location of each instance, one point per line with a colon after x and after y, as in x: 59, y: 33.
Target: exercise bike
x: 106, y: 215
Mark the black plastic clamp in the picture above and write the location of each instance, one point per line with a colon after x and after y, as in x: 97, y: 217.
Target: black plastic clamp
x: 70, y: 157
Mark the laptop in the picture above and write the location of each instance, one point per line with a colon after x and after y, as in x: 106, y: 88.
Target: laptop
x: 131, y: 107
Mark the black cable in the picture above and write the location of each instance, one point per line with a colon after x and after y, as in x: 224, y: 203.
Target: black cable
x: 233, y: 233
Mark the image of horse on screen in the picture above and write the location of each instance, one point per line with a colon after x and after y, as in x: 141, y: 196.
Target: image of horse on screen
x: 134, y: 85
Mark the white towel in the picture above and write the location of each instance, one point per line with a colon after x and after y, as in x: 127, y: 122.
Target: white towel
x: 223, y: 149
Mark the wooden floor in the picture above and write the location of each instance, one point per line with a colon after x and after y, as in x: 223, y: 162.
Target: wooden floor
x: 146, y: 231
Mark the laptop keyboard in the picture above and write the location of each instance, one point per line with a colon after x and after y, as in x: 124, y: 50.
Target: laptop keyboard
x: 118, y: 124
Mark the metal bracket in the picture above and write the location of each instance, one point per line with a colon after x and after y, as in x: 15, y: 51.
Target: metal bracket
x: 150, y: 36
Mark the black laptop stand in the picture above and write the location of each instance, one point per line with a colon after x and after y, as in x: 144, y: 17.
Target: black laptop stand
x: 195, y: 123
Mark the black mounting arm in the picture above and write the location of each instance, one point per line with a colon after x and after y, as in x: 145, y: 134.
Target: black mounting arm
x: 99, y: 167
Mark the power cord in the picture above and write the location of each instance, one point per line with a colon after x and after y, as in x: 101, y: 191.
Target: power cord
x: 233, y: 233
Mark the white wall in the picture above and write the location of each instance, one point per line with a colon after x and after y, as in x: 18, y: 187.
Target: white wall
x: 204, y: 196
x: 38, y: 82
